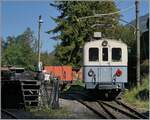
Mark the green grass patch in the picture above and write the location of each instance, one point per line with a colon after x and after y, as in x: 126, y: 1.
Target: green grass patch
x: 75, y: 88
x: 50, y: 113
x: 66, y: 88
x: 138, y: 96
x: 77, y: 85
x: 79, y: 82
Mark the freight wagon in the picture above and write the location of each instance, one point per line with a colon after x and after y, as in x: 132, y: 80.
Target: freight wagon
x: 64, y: 73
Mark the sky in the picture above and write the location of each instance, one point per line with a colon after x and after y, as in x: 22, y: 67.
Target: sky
x: 18, y: 15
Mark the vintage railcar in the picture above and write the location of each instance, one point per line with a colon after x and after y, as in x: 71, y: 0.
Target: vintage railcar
x: 105, y: 64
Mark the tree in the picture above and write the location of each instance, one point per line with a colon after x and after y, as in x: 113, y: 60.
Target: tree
x: 145, y: 43
x: 127, y: 35
x: 6, y: 53
x: 74, y: 33
x: 48, y: 59
x: 19, y: 51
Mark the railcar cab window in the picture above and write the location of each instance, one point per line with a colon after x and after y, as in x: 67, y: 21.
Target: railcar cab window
x: 93, y: 54
x: 105, y: 54
x: 116, y: 54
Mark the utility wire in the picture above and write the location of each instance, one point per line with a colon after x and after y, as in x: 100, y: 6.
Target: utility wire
x: 98, y: 15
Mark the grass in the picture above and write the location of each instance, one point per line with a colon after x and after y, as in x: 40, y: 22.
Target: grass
x: 139, y: 96
x: 49, y: 113
x: 77, y: 85
x: 79, y: 82
x: 57, y: 113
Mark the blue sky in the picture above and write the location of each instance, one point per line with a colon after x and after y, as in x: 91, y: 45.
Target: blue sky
x: 17, y: 16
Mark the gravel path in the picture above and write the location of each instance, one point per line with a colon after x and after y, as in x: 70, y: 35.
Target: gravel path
x: 77, y: 110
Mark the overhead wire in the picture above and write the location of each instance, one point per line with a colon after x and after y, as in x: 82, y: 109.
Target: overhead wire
x: 106, y: 14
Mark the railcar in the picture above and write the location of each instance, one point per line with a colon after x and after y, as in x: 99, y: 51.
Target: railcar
x: 105, y: 64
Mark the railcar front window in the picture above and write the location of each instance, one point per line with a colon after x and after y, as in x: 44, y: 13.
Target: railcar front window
x: 116, y: 54
x: 105, y: 54
x: 93, y: 54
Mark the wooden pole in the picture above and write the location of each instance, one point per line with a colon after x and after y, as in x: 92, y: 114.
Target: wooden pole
x: 138, y: 41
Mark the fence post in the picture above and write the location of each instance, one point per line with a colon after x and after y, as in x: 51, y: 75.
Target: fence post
x: 55, y: 94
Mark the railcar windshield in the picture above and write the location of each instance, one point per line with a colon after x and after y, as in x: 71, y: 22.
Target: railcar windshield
x: 116, y: 54
x: 93, y: 54
x: 105, y: 54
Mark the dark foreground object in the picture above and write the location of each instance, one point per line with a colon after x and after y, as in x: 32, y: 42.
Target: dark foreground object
x: 11, y: 94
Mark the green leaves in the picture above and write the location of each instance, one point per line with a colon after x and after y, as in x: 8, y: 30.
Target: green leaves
x: 19, y: 51
x: 74, y: 31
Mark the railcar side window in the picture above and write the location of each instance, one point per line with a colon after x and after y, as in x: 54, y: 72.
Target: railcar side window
x: 93, y: 54
x: 116, y: 54
x: 105, y: 54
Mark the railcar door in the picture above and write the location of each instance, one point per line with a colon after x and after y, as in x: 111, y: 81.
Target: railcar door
x: 105, y: 67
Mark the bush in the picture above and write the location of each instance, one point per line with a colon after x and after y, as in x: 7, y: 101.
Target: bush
x: 139, y: 96
x: 78, y: 82
x: 145, y: 67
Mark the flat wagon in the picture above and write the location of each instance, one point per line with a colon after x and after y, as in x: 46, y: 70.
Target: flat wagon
x: 64, y: 73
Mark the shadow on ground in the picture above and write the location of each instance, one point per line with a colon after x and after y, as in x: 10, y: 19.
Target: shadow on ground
x: 146, y: 113
x: 88, y: 95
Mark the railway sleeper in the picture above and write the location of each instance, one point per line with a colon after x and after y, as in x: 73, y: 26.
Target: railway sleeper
x: 89, y: 107
x: 120, y: 110
x: 131, y: 109
x: 107, y: 111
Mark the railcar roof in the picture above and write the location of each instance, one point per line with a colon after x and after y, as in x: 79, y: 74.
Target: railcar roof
x: 110, y: 40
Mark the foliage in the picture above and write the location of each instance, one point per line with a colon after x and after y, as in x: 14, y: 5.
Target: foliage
x: 78, y: 82
x: 126, y: 34
x: 49, y: 59
x: 144, y: 43
x: 18, y: 51
x: 21, y: 51
x: 48, y: 113
x: 145, y: 67
x: 133, y: 96
x: 73, y: 33
x: 77, y: 85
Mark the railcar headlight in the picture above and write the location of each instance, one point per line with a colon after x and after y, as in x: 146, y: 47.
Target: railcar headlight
x: 90, y: 73
x: 104, y: 43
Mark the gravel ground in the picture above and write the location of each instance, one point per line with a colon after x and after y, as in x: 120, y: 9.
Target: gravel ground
x: 72, y: 110
x: 77, y: 110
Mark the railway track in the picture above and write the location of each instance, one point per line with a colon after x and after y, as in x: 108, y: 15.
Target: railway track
x: 7, y: 115
x: 88, y: 106
x: 107, y: 109
x: 124, y: 112
x: 131, y: 109
x: 16, y: 114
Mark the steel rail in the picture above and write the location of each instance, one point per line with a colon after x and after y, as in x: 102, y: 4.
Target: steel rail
x: 131, y: 109
x: 8, y: 113
x: 107, y: 111
x: 135, y: 114
x: 101, y: 105
x: 120, y: 110
x: 89, y: 107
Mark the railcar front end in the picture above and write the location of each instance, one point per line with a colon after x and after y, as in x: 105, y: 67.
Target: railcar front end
x: 105, y: 64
